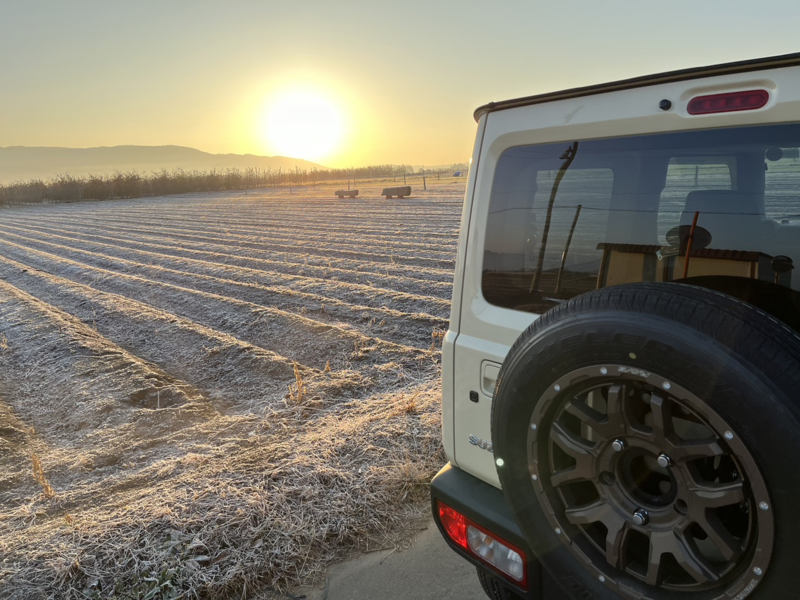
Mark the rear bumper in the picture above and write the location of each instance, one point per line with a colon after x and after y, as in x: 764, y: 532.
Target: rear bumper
x: 486, y: 505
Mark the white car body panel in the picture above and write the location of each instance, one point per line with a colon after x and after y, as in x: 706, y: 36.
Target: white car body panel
x: 481, y: 334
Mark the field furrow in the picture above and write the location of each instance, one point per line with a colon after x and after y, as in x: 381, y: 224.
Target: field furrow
x: 413, y: 329
x: 319, y: 264
x: 254, y: 235
x: 332, y: 250
x: 235, y: 390
x: 363, y: 216
x: 389, y: 283
x: 136, y: 314
x: 281, y: 217
x: 419, y: 308
x: 83, y: 382
x: 342, y: 247
x: 210, y: 360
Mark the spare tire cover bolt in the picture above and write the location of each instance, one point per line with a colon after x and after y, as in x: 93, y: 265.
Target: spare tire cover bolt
x: 666, y: 385
x: 728, y: 435
x: 557, y: 387
x: 758, y: 571
x: 618, y: 445
x: 602, y: 578
x: 763, y: 506
x: 603, y: 371
x: 640, y: 517
x: 664, y: 461
x: 533, y: 426
x: 535, y: 477
x: 558, y: 530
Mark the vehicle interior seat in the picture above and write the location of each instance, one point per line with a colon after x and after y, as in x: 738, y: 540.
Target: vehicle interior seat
x: 735, y: 220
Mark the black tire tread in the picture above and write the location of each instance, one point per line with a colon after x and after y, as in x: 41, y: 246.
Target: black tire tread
x: 492, y: 587
x: 753, y: 334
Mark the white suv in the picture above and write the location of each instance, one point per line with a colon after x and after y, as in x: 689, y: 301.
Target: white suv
x: 622, y: 367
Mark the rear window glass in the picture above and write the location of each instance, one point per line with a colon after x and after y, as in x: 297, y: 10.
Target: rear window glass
x: 570, y: 217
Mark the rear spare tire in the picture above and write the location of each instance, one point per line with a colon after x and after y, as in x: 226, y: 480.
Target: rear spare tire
x: 646, y: 441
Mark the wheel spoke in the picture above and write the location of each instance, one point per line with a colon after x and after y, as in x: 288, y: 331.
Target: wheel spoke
x: 715, y: 495
x: 618, y: 529
x: 589, y: 513
x: 602, y: 512
x: 693, y: 449
x: 572, y: 475
x: 685, y: 552
x: 729, y: 546
x: 663, y: 425
x: 616, y: 407
x: 571, y: 443
x: 654, y: 576
x: 580, y: 450
x: 602, y: 424
x: 692, y: 560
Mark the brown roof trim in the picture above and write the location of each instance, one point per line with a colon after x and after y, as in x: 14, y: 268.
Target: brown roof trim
x: 758, y: 64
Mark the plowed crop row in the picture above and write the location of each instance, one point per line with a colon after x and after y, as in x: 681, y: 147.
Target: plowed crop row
x: 216, y: 394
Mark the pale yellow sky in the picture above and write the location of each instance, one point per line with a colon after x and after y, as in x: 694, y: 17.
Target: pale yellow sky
x: 402, y: 79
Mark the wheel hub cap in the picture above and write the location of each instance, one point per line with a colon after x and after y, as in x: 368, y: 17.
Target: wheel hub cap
x: 648, y: 482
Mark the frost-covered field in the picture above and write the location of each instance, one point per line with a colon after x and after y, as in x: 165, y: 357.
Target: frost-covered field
x: 224, y: 392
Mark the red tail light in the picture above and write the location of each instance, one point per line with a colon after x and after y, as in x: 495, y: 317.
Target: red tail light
x: 454, y: 523
x: 508, y: 560
x: 735, y: 101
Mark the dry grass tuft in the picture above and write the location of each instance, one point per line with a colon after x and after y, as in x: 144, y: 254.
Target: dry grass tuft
x: 410, y: 406
x: 38, y: 475
x: 3, y: 343
x: 437, y: 337
x: 297, y: 393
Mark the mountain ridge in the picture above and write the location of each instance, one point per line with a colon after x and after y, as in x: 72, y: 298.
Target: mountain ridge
x: 22, y: 163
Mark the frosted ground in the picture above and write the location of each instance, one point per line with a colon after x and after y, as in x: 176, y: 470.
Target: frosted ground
x: 224, y: 392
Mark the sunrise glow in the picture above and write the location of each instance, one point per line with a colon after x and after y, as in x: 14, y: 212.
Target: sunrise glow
x: 303, y: 125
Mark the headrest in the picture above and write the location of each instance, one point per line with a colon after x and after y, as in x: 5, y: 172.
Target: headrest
x: 722, y: 202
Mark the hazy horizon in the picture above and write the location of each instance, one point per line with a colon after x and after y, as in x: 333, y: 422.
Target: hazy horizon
x: 342, y: 85
x: 29, y: 163
x: 24, y: 163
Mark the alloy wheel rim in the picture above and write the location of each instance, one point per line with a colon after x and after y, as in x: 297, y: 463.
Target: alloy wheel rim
x: 649, y: 488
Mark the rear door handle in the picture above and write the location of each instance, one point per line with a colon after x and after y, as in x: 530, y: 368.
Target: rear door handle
x: 489, y: 372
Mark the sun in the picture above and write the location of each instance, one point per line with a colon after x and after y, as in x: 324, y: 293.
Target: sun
x: 303, y: 125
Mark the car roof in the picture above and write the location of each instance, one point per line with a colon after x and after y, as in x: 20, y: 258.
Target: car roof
x: 744, y: 66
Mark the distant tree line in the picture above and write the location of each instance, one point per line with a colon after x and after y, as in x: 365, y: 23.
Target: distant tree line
x: 67, y: 188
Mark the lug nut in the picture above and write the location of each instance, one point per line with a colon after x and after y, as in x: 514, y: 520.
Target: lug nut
x: 664, y: 461
x: 640, y: 517
x: 618, y: 445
